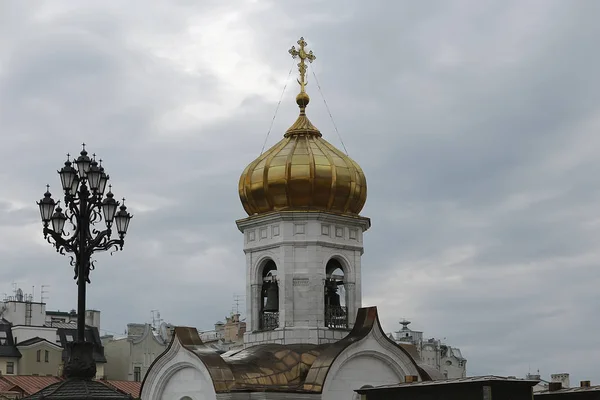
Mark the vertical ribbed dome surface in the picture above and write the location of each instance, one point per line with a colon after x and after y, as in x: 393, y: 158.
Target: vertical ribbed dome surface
x: 303, y: 172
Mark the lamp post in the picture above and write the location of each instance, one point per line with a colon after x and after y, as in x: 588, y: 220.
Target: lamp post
x: 85, y: 204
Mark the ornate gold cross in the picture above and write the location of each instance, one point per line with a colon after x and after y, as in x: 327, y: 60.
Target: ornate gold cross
x: 303, y: 55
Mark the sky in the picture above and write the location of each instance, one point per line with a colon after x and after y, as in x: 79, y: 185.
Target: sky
x: 476, y: 124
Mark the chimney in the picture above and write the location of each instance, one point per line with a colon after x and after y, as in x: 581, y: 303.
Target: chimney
x: 585, y: 384
x: 562, y: 378
x: 411, y: 378
x: 554, y: 386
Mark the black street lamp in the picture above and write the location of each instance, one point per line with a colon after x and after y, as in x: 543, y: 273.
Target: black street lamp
x: 85, y: 205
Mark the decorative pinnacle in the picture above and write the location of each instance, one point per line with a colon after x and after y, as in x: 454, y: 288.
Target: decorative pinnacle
x: 303, y: 55
x: 47, y: 188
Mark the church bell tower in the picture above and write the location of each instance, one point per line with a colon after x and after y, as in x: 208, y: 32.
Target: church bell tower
x: 303, y: 237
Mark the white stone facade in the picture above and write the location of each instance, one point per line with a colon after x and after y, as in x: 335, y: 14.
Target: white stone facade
x: 373, y: 361
x: 301, y: 244
x: 177, y: 374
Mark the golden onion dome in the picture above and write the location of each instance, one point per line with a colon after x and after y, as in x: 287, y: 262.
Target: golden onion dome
x: 303, y: 171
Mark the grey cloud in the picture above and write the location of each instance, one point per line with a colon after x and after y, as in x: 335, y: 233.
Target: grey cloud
x: 474, y: 123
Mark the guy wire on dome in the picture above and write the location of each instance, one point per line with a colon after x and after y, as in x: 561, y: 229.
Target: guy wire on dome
x: 329, y: 111
x: 302, y: 99
x: 277, y: 109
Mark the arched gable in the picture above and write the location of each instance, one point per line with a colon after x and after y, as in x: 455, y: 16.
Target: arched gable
x: 385, y: 362
x: 366, y: 335
x: 176, y: 373
x: 148, y: 333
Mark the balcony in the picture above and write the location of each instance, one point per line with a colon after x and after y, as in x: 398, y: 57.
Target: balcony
x: 336, y: 317
x: 269, y: 320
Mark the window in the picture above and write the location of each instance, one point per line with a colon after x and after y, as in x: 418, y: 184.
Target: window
x: 2, y: 337
x: 46, y: 355
x: 10, y: 368
x: 137, y: 374
x: 39, y: 355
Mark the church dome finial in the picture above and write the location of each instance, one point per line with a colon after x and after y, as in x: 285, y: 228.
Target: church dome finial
x: 303, y: 171
x: 302, y: 124
x: 302, y: 99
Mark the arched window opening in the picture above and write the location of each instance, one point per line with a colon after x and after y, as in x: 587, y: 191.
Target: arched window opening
x: 269, y: 310
x: 336, y: 312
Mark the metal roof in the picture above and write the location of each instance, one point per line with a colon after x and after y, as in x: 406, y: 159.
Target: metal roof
x: 473, y: 379
x: 28, y: 384
x: 7, y: 344
x: 272, y: 367
x: 578, y: 389
x: 131, y: 387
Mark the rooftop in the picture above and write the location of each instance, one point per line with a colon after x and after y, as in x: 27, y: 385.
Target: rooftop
x: 32, y: 384
x: 79, y: 389
x: 28, y: 384
x: 443, y: 382
x: 129, y: 387
x: 570, y: 390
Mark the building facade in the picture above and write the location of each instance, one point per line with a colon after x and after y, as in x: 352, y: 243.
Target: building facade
x: 129, y: 357
x: 34, y: 341
x: 40, y: 357
x: 433, y: 352
x: 226, y: 336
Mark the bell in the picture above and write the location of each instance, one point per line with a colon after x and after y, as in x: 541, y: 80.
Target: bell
x: 332, y: 298
x: 272, y: 294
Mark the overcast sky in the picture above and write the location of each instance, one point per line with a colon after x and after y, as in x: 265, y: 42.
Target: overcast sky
x: 476, y: 123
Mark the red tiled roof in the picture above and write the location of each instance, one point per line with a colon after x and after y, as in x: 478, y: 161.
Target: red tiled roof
x: 28, y: 383
x: 129, y: 387
x: 4, y: 385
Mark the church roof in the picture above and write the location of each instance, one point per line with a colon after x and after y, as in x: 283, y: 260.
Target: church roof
x: 277, y: 367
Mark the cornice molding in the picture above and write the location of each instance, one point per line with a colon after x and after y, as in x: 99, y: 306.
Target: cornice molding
x: 322, y: 243
x: 261, y: 219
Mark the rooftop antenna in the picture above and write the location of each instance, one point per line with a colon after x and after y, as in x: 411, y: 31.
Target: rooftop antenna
x: 237, y: 299
x: 405, y: 324
x: 43, y: 294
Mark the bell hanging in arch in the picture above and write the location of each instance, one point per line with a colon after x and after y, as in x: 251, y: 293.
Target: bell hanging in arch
x: 272, y: 294
x: 332, y: 297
